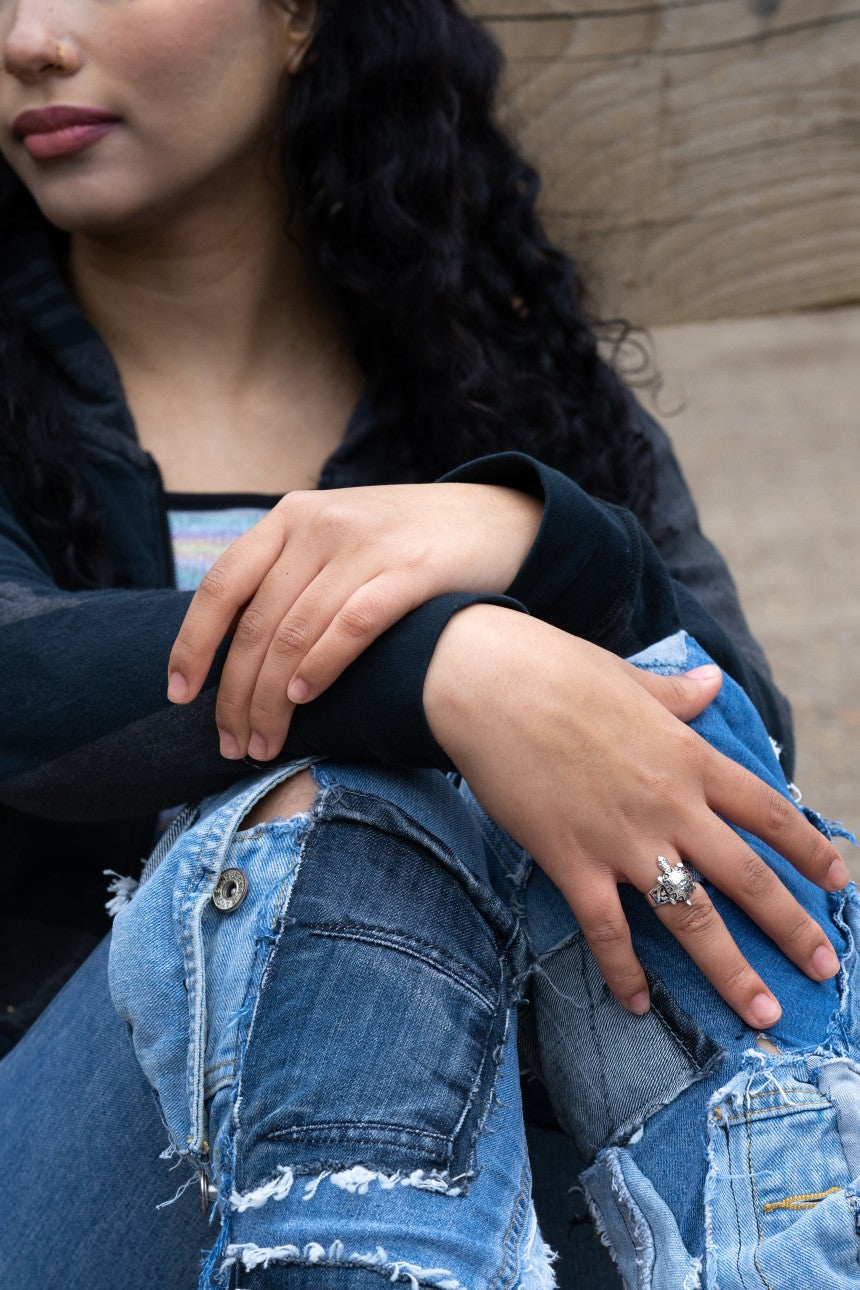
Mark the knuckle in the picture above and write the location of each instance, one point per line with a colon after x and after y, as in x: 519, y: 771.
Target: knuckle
x: 738, y: 978
x: 800, y: 932
x: 358, y: 621
x: 227, y: 712
x: 250, y: 630
x: 678, y: 690
x: 214, y: 585
x: 691, y: 747
x: 779, y: 812
x: 292, y: 503
x: 291, y: 638
x: 757, y: 880
x: 698, y: 919
x: 657, y: 782
x: 606, y: 931
x: 286, y: 513
x: 265, y: 715
x: 183, y: 647
x: 822, y: 854
x: 333, y: 520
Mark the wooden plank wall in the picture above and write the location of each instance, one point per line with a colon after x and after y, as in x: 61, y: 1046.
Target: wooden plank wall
x: 701, y: 156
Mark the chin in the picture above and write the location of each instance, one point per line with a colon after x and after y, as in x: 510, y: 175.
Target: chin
x: 79, y: 215
x: 86, y: 202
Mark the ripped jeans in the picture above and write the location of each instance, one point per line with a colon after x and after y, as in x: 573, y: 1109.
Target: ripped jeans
x: 335, y: 1051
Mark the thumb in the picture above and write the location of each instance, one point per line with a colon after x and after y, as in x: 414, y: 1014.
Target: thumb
x: 688, y: 693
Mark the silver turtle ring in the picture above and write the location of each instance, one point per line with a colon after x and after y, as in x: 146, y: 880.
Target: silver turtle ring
x: 676, y: 884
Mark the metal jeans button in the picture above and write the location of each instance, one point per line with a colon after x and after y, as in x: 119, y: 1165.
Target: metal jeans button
x: 230, y: 890
x: 208, y: 1193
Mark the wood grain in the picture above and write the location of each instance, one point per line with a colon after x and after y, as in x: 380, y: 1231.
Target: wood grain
x: 703, y: 156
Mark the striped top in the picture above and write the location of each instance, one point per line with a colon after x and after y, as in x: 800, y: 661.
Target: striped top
x: 202, y: 526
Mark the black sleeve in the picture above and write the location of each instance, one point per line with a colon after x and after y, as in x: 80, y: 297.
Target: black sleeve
x: 87, y: 732
x: 593, y: 571
x: 124, y: 750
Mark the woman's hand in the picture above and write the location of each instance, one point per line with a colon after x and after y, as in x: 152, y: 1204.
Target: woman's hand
x: 585, y: 760
x: 307, y: 589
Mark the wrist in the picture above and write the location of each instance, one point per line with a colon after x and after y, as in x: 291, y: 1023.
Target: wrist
x: 455, y: 684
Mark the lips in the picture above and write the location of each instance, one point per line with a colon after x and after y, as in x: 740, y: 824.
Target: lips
x: 61, y: 130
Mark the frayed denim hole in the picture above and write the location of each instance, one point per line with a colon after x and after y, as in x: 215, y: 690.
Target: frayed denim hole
x: 830, y: 828
x: 637, y: 1227
x: 367, y: 1047
x: 581, y: 1044
x: 336, y: 1267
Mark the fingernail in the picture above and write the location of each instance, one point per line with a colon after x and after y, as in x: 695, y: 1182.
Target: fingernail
x: 825, y: 962
x: 177, y: 687
x: 229, y: 746
x: 707, y: 672
x: 640, y: 1003
x: 765, y: 1010
x: 257, y: 747
x: 838, y: 875
x: 298, y: 690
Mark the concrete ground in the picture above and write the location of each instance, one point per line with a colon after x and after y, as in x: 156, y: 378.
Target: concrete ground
x: 765, y: 417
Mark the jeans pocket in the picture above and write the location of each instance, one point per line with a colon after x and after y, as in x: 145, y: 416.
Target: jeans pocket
x: 377, y: 1029
x: 782, y: 1188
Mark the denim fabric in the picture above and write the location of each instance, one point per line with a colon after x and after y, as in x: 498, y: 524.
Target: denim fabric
x: 337, y: 1055
x: 718, y: 1163
x: 82, y: 1188
x: 339, y: 1052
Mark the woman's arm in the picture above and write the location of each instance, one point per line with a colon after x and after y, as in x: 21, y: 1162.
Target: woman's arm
x: 87, y: 730
x: 595, y: 777
x: 90, y: 735
x: 594, y: 572
x: 307, y: 589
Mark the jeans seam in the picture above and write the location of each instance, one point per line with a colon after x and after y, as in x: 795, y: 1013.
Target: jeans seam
x: 759, y: 1230
x: 363, y: 934
x: 512, y: 1233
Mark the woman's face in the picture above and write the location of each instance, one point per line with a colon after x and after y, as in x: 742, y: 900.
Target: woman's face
x: 167, y: 104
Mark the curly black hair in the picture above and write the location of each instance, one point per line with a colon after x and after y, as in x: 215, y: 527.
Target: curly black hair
x: 468, y: 323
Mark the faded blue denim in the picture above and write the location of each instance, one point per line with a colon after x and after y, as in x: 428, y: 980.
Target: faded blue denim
x: 337, y: 1056
x: 718, y: 1163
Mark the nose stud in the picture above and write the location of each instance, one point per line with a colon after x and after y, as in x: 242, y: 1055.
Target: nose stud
x: 59, y: 63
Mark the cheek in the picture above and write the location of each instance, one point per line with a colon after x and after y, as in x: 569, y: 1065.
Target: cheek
x: 208, y: 58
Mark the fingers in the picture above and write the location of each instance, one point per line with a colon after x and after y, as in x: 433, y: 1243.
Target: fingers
x: 699, y: 929
x: 374, y: 607
x: 748, y: 802
x: 750, y: 882
x: 327, y: 628
x: 229, y: 584
x: 267, y: 637
x: 685, y: 695
x: 707, y: 940
x: 605, y: 927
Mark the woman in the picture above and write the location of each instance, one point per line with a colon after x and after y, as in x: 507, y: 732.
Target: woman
x: 323, y: 989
